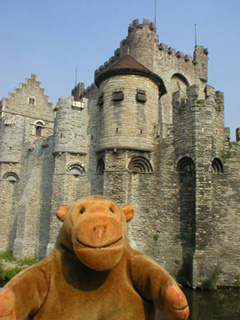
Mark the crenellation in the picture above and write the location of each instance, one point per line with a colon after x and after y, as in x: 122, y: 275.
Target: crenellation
x: 171, y: 51
x: 188, y: 58
x: 179, y: 54
x: 145, y: 24
x: 209, y: 91
x: 117, y: 53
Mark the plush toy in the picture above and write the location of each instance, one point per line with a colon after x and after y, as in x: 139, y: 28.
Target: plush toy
x: 93, y: 273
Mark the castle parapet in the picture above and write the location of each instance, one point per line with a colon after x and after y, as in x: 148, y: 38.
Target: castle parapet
x: 145, y: 24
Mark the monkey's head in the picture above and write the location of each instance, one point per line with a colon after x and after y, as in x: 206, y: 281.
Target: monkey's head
x: 95, y: 228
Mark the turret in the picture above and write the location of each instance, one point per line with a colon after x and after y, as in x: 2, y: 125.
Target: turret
x: 128, y: 103
x: 70, y: 126
x: 141, y: 42
x: 200, y: 60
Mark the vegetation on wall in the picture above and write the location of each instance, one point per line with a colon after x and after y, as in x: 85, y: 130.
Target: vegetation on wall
x: 211, y: 283
x: 9, y: 266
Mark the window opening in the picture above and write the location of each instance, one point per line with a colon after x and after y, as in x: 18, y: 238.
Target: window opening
x: 186, y: 165
x: 31, y: 101
x: 140, y: 165
x: 217, y: 166
x: 11, y: 176
x: 38, y: 131
x: 100, y: 99
x: 118, y: 95
x: 100, y: 166
x: 141, y: 96
x: 76, y: 170
x: 38, y: 128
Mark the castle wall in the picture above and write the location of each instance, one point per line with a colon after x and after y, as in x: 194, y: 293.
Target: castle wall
x: 200, y: 136
x: 26, y: 169
x: 221, y: 255
x: 34, y: 202
x: 11, y: 138
x: 10, y: 192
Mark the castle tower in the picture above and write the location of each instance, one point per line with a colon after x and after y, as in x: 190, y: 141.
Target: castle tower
x: 200, y: 60
x: 128, y: 105
x: 70, y: 180
x: 199, y: 137
x: 141, y: 43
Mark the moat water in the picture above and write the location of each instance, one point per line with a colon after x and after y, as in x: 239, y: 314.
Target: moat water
x: 222, y: 304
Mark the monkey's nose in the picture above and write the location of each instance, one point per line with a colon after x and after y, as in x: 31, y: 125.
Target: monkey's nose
x: 99, y: 231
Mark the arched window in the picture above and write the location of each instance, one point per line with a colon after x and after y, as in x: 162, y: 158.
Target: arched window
x: 217, y: 166
x: 100, y: 166
x: 76, y: 170
x: 140, y: 165
x: 178, y: 82
x: 38, y: 127
x: 186, y: 165
x: 11, y: 176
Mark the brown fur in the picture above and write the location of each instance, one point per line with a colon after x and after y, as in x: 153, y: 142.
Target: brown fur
x: 93, y: 273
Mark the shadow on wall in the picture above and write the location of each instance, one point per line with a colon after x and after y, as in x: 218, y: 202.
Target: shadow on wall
x: 186, y: 169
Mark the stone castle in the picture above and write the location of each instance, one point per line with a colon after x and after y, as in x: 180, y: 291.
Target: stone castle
x: 149, y: 132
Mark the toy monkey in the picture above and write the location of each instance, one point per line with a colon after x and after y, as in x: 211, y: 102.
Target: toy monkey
x: 93, y: 273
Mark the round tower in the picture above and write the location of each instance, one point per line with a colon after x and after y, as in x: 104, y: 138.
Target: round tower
x: 71, y: 142
x: 128, y: 103
x: 70, y: 127
x: 141, y: 42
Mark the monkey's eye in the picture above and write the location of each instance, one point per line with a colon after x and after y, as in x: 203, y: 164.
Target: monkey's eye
x: 111, y: 210
x: 82, y: 210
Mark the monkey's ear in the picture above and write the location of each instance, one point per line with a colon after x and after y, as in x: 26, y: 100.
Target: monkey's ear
x: 62, y: 211
x: 128, y: 211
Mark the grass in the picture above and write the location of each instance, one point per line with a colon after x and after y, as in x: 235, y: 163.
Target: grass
x: 211, y: 284
x: 7, y: 256
x: 6, y: 274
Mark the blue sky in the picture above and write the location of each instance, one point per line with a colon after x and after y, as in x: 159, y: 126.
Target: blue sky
x: 54, y: 37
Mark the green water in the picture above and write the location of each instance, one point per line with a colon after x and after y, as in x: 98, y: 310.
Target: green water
x: 212, y: 305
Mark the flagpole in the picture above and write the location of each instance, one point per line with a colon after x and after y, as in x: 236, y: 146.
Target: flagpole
x: 195, y: 34
x: 155, y: 10
x: 76, y: 77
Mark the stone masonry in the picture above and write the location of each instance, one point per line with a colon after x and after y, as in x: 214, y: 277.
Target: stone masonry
x: 149, y: 132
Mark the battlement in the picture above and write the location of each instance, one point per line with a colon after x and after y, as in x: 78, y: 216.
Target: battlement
x: 146, y: 24
x: 119, y: 53
x: 137, y: 45
x: 109, y: 63
x: 212, y: 97
x: 89, y: 89
x: 173, y: 52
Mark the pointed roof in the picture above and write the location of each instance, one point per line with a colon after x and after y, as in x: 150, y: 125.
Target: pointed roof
x: 129, y: 65
x: 129, y: 62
